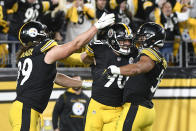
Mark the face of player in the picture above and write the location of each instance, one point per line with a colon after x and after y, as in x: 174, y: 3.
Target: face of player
x: 140, y: 40
x: 125, y: 44
x: 101, y: 4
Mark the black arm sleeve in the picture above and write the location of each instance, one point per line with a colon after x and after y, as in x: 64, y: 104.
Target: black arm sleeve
x: 57, y: 111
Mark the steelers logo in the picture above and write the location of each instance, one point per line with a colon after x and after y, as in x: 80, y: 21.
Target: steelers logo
x: 131, y: 60
x: 78, y: 108
x: 110, y: 33
x: 33, y: 32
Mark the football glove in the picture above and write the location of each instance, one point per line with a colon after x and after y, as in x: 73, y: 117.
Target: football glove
x: 105, y: 20
x: 114, y: 69
x: 110, y: 71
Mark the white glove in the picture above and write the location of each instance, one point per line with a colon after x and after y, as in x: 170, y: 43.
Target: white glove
x: 114, y: 69
x: 105, y: 20
x: 86, y: 84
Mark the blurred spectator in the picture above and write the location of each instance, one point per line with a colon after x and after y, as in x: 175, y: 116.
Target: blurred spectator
x: 188, y: 31
x: 70, y: 107
x: 169, y: 20
x: 4, y: 27
x: 123, y: 14
x: 54, y: 21
x: 24, y: 11
x: 193, y: 9
x: 79, y: 18
x: 141, y: 10
x: 100, y: 8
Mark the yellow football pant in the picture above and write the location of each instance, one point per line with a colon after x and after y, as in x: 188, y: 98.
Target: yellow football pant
x: 135, y: 118
x: 101, y: 117
x: 23, y: 118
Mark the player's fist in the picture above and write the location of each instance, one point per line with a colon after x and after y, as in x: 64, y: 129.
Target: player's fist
x: 114, y: 69
x: 111, y: 71
x: 105, y: 20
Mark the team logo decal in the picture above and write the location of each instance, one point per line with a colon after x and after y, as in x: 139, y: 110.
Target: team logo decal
x: 32, y: 32
x: 131, y: 60
x: 78, y: 108
x: 110, y: 33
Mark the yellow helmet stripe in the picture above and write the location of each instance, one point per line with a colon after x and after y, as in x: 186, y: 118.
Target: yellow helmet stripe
x: 20, y: 33
x: 128, y: 31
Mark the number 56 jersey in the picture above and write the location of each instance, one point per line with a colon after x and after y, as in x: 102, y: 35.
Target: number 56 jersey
x: 107, y: 91
x: 35, y: 77
x: 140, y: 89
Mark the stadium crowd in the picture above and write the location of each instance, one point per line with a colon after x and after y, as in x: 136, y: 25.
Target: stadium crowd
x: 66, y: 19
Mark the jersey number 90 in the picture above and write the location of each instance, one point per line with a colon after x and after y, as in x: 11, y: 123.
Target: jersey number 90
x: 120, y: 81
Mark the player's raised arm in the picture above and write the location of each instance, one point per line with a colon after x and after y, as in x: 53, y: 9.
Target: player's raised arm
x: 63, y: 51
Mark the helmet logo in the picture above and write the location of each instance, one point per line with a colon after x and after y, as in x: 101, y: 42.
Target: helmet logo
x: 110, y: 33
x: 33, y: 32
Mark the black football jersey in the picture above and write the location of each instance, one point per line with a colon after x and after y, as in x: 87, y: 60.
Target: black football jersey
x: 35, y: 77
x: 107, y: 91
x: 144, y: 7
x: 24, y: 12
x: 140, y: 89
x: 71, y: 109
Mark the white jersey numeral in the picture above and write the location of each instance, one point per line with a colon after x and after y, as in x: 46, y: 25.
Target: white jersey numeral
x: 31, y: 14
x: 120, y: 81
x: 153, y: 89
x: 25, y: 69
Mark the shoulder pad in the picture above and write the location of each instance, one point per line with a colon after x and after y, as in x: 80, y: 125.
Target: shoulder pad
x: 90, y: 47
x: 154, y: 56
x: 48, y: 44
x: 151, y: 53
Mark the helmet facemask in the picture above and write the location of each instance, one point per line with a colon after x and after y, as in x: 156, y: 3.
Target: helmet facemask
x: 120, y: 39
x: 124, y: 44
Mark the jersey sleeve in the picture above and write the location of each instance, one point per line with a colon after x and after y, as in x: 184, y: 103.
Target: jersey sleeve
x: 154, y: 56
x: 47, y: 44
x: 90, y: 49
x: 93, y: 46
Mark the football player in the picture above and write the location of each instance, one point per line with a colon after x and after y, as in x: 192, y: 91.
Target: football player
x: 145, y: 75
x: 37, y: 70
x: 106, y: 102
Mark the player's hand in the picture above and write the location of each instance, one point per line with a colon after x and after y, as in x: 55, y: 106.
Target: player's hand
x: 111, y: 71
x: 105, y: 20
x: 114, y: 69
x: 86, y: 84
